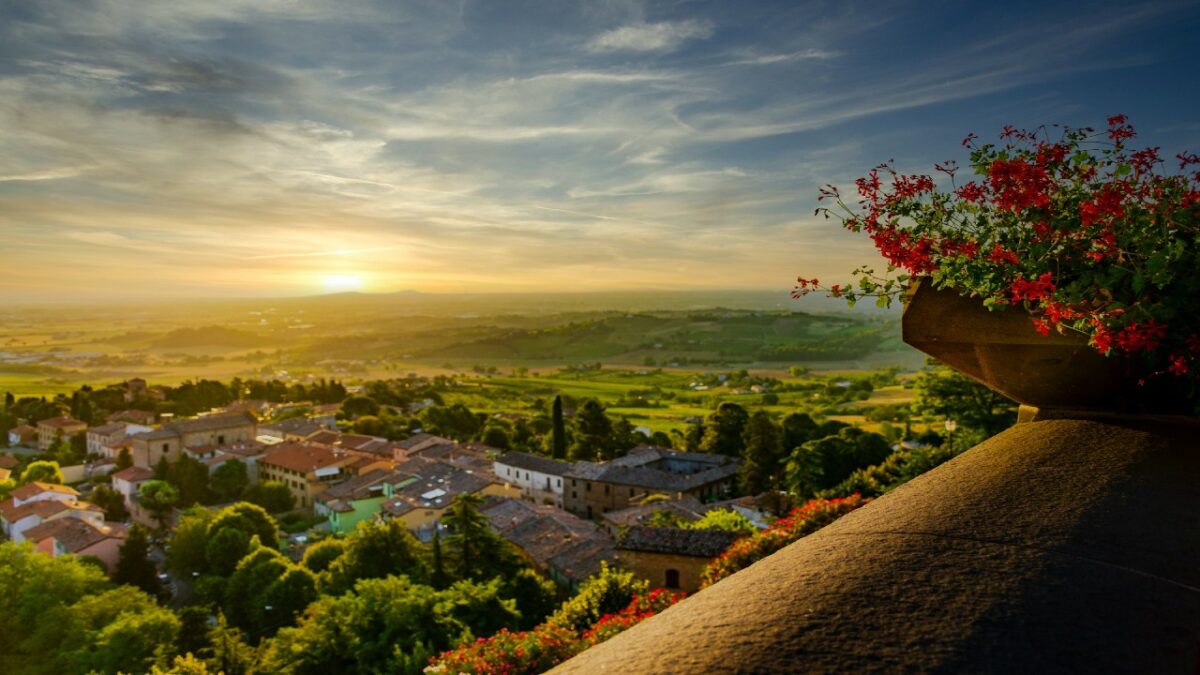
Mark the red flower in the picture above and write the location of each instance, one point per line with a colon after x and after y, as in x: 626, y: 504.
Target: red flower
x: 1032, y: 291
x: 1000, y: 256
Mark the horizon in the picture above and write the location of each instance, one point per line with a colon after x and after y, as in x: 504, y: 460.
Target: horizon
x: 237, y: 150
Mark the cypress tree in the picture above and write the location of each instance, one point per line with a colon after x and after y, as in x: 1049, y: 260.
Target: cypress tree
x: 439, y: 578
x: 560, y: 430
x: 134, y: 566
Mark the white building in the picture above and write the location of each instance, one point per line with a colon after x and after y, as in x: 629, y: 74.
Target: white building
x: 540, y: 479
x: 102, y: 439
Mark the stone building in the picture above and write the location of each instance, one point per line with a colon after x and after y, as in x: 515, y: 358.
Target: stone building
x: 51, y: 430
x: 590, y: 489
x: 170, y: 440
x: 670, y: 557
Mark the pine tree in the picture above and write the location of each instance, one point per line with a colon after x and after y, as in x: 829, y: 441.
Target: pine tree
x: 134, y: 566
x: 439, y: 578
x: 470, y: 530
x: 560, y: 430
x: 761, y: 459
x: 723, y: 430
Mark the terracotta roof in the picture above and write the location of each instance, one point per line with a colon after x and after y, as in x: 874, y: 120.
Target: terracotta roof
x: 74, y: 534
x: 132, y: 415
x: 108, y: 429
x: 23, y: 430
x: 9, y: 462
x: 324, y: 436
x: 134, y: 474
x: 213, y: 422
x: 301, y: 457
x: 35, y: 488
x: 528, y: 462
x: 418, y: 439
x: 676, y: 541
x: 62, y: 422
x: 43, y: 508
x: 246, y: 449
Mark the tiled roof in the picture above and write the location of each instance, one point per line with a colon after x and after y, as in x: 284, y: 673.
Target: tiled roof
x: 418, y: 439
x: 436, y: 487
x: 156, y: 434
x: 360, y: 487
x: 213, y: 422
x: 133, y: 415
x: 689, y: 508
x: 550, y: 536
x: 583, y: 559
x: 108, y: 429
x: 676, y: 541
x: 9, y: 462
x: 301, y: 457
x: 43, y: 508
x: 134, y: 474
x: 61, y: 422
x: 74, y: 534
x: 529, y: 462
x: 294, y: 425
x: 30, y: 490
x: 660, y: 469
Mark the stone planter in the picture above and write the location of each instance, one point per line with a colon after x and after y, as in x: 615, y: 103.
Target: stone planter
x: 1002, y: 350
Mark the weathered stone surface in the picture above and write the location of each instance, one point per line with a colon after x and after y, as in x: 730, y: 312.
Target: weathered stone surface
x: 1057, y: 546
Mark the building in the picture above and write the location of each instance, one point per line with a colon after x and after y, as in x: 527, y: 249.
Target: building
x: 307, y: 469
x: 51, y: 430
x: 359, y: 499
x: 688, y: 510
x: 105, y: 439
x: 670, y: 557
x: 127, y: 482
x: 79, y: 537
x: 35, y: 503
x: 8, y: 464
x: 567, y: 548
x: 539, y: 478
x: 413, y: 445
x: 169, y: 441
x: 420, y: 504
x: 291, y: 429
x: 591, y: 489
x: 22, y: 434
x: 143, y: 417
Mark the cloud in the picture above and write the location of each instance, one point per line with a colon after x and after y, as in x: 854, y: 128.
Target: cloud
x: 665, y: 36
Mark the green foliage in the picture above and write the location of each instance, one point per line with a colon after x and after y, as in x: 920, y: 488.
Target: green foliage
x: 267, y: 591
x: 763, y: 455
x: 724, y: 430
x: 535, y: 595
x: 229, y: 481
x: 111, y: 501
x: 385, y: 625
x: 124, y: 460
x: 559, y: 438
x: 606, y: 592
x: 271, y: 495
x: 42, y: 472
x: 249, y: 518
x: 188, y: 550
x: 159, y: 498
x: 61, y: 615
x: 225, y: 549
x: 228, y: 651
x: 190, y: 478
x: 723, y: 519
x: 944, y: 393
x: 373, y: 551
x: 320, y: 556
x: 900, y: 467
x: 593, y: 433
x: 134, y: 566
x: 821, y: 464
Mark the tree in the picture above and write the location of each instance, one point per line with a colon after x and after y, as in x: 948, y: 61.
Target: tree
x: 124, y: 460
x: 605, y: 592
x: 134, y: 566
x: 723, y: 519
x: 496, y: 436
x: 225, y: 548
x: 454, y: 421
x: 946, y: 394
x: 535, y: 595
x: 187, y: 552
x: 724, y: 429
x: 359, y: 406
x: 42, y: 472
x: 762, y: 455
x: 559, y: 447
x: 251, y: 519
x: 437, y: 572
x: 319, y: 556
x: 61, y: 615
x: 798, y: 428
x: 821, y: 464
x: 162, y: 469
x: 111, y: 501
x: 593, y: 433
x: 229, y: 480
x: 9, y: 400
x: 470, y: 533
x: 271, y: 495
x: 190, y: 478
x: 228, y: 651
x: 159, y: 498
x: 266, y: 591
x: 377, y: 550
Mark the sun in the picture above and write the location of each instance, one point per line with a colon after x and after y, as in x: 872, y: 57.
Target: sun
x: 341, y: 283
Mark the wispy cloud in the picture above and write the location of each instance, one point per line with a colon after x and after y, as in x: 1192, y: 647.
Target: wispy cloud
x: 650, y: 37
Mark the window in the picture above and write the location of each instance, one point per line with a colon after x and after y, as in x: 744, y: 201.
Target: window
x: 559, y: 482
x: 630, y: 492
x: 526, y: 475
x: 605, y: 489
x: 220, y: 440
x: 672, y: 579
x: 166, y: 447
x: 588, y: 487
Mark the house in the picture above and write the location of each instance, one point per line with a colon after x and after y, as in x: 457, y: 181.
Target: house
x: 307, y: 469
x: 420, y: 504
x: 358, y: 499
x: 539, y: 478
x: 105, y: 439
x: 170, y: 440
x: 292, y: 429
x: 591, y: 488
x: 34, y: 503
x: 688, y: 509
x: 79, y: 537
x: 142, y: 417
x: 127, y: 482
x: 8, y: 464
x: 135, y: 389
x: 22, y: 434
x: 670, y: 557
x: 249, y: 452
x: 565, y: 547
x: 413, y: 445
x: 51, y: 430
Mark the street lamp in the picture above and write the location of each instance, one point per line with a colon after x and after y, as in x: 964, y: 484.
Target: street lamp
x: 951, y: 425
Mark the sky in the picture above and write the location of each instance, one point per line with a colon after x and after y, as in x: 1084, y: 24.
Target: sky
x: 289, y: 147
